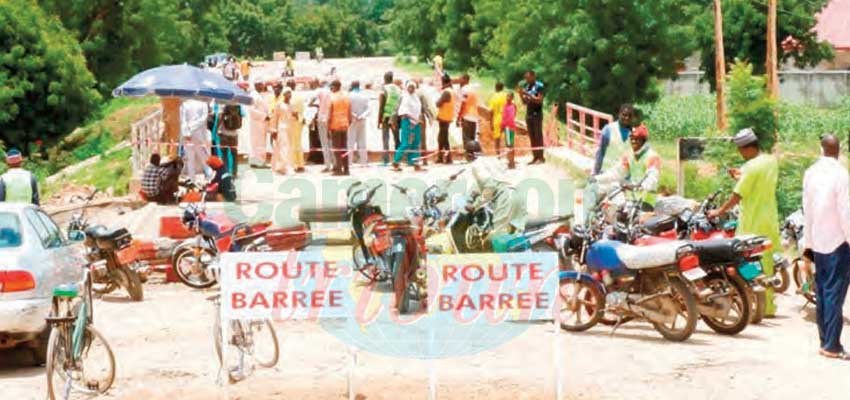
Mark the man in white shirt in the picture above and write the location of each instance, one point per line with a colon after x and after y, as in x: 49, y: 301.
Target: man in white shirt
x: 196, y: 137
x: 826, y: 206
x: 409, y: 114
x: 357, y: 130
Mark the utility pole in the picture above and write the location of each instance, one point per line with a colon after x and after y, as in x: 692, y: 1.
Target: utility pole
x: 772, y: 59
x: 719, y: 66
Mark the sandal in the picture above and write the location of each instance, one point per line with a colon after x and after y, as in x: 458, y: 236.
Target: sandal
x: 837, y: 356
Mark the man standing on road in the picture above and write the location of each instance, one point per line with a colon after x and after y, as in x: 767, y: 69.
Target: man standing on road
x: 497, y: 105
x: 756, y: 193
x: 467, y: 118
x: 826, y: 206
x: 18, y: 185
x: 614, y: 140
x: 409, y: 113
x: 387, y: 119
x: 323, y: 101
x: 196, y: 138
x: 532, y: 97
x: 260, y: 118
x: 426, y: 118
x: 340, y: 120
x: 445, y: 116
x: 357, y: 130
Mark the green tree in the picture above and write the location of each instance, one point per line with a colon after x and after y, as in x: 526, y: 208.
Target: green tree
x: 412, y: 26
x: 749, y: 104
x: 45, y: 88
x: 119, y: 38
x: 599, y: 53
x: 745, y: 33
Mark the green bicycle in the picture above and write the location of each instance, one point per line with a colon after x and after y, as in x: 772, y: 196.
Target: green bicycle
x: 78, y: 357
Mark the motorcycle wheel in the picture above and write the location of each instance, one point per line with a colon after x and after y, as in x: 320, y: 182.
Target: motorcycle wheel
x: 360, y: 265
x: 101, y: 289
x: 400, y: 284
x: 578, y: 296
x: 740, y: 305
x: 785, y: 278
x: 803, y: 278
x: 132, y: 283
x: 758, y: 300
x: 686, y: 305
x: 184, y: 261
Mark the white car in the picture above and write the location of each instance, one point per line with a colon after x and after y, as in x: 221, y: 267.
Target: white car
x: 35, y: 257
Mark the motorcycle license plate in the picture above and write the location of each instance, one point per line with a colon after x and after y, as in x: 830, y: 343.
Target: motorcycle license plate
x: 694, y: 274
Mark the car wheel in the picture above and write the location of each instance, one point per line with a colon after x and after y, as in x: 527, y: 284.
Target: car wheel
x: 39, y: 347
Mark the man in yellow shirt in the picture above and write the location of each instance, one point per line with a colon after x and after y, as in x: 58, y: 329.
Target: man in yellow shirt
x: 497, y: 105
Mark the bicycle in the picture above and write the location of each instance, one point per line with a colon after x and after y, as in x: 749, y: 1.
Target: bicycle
x: 75, y: 346
x: 243, y: 339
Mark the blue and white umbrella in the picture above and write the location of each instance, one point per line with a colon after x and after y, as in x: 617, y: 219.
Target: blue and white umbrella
x: 183, y: 81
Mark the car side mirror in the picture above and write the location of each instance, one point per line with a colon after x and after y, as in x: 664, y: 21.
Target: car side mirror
x: 76, y: 236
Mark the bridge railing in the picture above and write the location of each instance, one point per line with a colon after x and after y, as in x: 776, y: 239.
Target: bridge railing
x: 584, y: 128
x: 146, y: 138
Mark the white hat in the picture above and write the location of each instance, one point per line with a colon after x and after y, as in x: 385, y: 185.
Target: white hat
x: 745, y: 137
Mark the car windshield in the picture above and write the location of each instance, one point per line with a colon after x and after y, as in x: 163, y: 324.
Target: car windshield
x: 10, y: 230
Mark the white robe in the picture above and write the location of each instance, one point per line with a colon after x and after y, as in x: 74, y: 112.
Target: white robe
x: 196, y: 137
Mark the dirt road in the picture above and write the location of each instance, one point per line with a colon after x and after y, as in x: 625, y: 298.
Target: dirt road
x: 164, y: 350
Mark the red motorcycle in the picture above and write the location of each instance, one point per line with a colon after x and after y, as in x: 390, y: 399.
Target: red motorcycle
x: 218, y: 233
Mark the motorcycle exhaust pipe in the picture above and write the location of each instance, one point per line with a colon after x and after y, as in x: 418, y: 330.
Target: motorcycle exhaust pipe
x: 772, y: 281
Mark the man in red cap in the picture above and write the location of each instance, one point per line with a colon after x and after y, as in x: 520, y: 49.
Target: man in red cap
x: 640, y: 166
x: 18, y: 185
x: 221, y: 187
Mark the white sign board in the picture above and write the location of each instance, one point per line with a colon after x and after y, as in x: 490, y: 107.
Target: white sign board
x: 283, y: 286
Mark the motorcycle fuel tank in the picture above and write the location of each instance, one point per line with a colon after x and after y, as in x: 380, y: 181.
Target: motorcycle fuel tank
x: 602, y: 255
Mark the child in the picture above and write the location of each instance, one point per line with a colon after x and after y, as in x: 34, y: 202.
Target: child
x: 509, y: 128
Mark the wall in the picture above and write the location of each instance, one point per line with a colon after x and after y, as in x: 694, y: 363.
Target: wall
x: 823, y: 88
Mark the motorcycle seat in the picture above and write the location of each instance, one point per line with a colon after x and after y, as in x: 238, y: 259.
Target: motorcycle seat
x: 659, y: 223
x: 536, y: 223
x: 716, y: 251
x: 654, y: 256
x: 100, y: 232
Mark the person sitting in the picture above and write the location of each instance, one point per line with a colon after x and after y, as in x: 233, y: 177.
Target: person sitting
x: 221, y: 187
x: 160, y: 181
x: 640, y: 166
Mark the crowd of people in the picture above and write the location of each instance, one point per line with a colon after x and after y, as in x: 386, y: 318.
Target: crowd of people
x: 331, y: 124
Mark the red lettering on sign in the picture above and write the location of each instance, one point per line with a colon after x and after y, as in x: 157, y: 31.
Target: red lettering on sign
x: 318, y: 299
x: 505, y: 300
x: 445, y: 302
x: 265, y: 270
x: 473, y: 272
x: 336, y: 298
x: 242, y: 269
x: 279, y: 300
x: 237, y: 300
x: 449, y: 272
x: 259, y: 300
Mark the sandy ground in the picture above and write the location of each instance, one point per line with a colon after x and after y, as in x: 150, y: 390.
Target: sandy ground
x: 164, y: 349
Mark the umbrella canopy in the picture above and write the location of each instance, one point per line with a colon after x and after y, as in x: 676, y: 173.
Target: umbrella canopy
x: 184, y: 81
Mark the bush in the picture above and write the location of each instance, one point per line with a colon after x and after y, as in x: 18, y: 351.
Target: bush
x: 749, y: 104
x: 45, y: 88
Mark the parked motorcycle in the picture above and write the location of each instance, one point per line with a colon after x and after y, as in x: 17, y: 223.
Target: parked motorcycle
x: 389, y: 249
x: 218, y: 233
x: 629, y: 282
x: 803, y: 270
x: 102, y: 252
x: 746, y: 258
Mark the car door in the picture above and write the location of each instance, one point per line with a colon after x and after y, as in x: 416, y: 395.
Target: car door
x: 67, y: 261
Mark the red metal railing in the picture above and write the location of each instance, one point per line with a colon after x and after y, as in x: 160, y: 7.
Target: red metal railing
x: 584, y: 127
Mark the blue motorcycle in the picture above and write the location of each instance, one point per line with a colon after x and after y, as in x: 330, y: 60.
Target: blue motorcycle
x: 629, y: 282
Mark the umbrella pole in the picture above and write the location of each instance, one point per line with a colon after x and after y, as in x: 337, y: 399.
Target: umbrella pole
x: 171, y: 120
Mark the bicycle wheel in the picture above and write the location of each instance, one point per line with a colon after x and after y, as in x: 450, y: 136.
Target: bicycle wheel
x: 264, y: 346
x: 92, y: 373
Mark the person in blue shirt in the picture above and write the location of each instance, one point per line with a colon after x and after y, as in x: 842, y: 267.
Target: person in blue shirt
x: 614, y: 140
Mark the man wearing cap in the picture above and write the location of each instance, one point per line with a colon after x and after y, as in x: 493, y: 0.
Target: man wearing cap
x: 756, y: 194
x: 18, y: 185
x: 641, y: 165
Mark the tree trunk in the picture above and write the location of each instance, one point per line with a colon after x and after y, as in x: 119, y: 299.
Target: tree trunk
x: 771, y: 59
x: 719, y: 66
